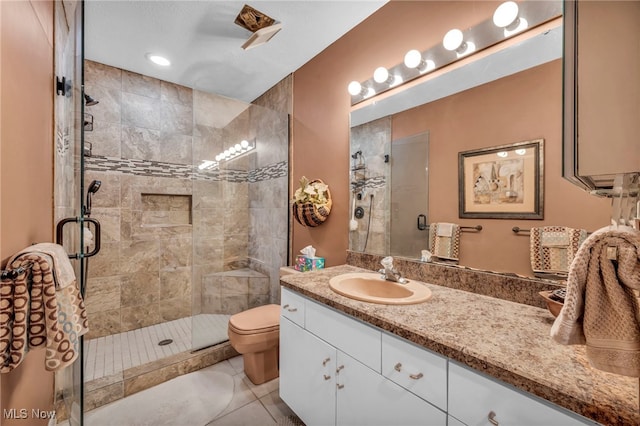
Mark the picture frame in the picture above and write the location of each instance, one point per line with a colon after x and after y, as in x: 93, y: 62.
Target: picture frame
x: 502, y: 182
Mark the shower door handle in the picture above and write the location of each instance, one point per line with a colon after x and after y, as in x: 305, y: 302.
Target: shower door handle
x: 422, y: 222
x: 96, y: 237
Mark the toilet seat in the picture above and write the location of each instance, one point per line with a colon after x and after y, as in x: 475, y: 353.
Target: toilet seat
x: 262, y: 319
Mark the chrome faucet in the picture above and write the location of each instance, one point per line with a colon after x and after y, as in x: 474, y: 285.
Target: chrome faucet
x: 390, y: 273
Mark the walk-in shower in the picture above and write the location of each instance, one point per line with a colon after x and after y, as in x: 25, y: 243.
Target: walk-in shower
x: 184, y: 246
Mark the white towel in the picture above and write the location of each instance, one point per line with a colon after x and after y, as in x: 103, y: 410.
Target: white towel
x: 445, y: 229
x: 63, y: 273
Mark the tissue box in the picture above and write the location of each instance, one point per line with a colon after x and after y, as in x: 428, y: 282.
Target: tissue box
x: 306, y: 263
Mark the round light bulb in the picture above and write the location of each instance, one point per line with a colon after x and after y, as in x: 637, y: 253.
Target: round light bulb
x: 238, y: 147
x: 505, y: 14
x: 452, y: 39
x: 244, y: 144
x: 502, y: 154
x: 430, y: 65
x: 521, y: 151
x: 354, y: 88
x: 218, y: 157
x: 232, y: 150
x: 412, y: 59
x: 158, y: 60
x: 381, y: 74
x: 227, y: 154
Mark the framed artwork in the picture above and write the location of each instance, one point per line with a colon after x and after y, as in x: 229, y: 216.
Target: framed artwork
x: 502, y: 182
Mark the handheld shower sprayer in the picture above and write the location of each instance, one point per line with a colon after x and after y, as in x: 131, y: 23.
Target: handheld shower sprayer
x: 94, y: 186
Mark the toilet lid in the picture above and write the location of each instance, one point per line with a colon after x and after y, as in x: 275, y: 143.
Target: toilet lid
x: 263, y: 318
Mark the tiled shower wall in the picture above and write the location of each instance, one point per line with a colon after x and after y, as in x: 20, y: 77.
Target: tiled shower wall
x: 373, y: 139
x: 149, y: 137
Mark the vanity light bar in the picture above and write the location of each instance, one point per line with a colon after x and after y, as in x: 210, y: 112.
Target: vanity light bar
x: 228, y: 154
x: 509, y: 19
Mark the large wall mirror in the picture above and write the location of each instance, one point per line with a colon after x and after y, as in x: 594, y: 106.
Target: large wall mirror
x: 602, y: 91
x: 507, y: 94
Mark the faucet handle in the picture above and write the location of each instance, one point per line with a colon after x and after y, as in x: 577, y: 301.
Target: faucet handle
x: 387, y: 262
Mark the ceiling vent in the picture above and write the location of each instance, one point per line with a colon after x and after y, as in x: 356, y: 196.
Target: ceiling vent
x: 262, y: 26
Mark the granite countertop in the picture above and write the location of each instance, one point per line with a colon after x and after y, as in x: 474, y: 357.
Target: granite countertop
x: 507, y: 340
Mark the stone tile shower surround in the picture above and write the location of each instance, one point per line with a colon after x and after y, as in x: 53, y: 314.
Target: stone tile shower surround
x: 149, y: 138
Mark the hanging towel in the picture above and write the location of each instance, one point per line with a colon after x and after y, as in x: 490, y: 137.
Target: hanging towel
x: 601, y: 308
x: 552, y: 248
x: 444, y: 240
x: 44, y: 315
x: 62, y: 269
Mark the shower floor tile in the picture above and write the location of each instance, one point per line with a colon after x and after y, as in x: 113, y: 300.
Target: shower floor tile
x: 109, y: 355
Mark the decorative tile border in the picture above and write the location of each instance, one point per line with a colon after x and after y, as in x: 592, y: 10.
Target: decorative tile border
x: 152, y: 168
x: 371, y: 183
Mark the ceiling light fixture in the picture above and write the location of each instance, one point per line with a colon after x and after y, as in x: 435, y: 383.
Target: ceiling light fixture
x: 158, y: 60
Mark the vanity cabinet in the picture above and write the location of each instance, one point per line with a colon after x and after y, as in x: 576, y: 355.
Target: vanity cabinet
x: 334, y: 377
x: 336, y: 370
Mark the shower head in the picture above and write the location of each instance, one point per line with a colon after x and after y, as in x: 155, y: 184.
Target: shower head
x: 94, y: 186
x: 89, y: 101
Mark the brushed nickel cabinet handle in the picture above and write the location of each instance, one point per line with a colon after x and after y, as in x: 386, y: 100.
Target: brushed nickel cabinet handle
x: 416, y: 376
x: 292, y: 309
x: 398, y: 367
x: 326, y: 377
x: 340, y: 386
x: 285, y: 306
x: 326, y: 360
x: 339, y: 368
x: 492, y: 418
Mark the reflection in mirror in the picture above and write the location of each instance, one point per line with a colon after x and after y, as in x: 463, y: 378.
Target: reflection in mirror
x: 409, y: 195
x: 505, y: 94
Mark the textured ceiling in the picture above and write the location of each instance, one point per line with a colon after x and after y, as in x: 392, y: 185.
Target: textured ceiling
x: 204, y: 44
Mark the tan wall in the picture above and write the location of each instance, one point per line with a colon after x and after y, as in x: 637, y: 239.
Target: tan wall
x: 321, y: 126
x: 26, y: 168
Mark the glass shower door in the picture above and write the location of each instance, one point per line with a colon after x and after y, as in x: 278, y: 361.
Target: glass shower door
x: 68, y: 177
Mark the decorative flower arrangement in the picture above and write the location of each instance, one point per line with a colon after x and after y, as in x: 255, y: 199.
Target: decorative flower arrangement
x: 311, y: 202
x: 311, y: 192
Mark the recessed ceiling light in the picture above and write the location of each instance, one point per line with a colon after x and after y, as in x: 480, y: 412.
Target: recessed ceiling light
x: 158, y: 60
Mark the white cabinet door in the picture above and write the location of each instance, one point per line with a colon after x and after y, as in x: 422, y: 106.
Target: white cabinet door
x: 476, y: 400
x: 307, y: 375
x: 364, y: 397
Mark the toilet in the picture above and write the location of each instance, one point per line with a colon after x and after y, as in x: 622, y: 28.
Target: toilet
x: 255, y: 334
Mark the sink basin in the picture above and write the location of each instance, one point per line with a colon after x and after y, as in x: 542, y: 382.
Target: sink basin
x: 369, y: 287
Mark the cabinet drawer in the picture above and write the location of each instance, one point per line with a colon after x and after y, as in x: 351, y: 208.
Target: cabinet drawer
x: 416, y: 369
x: 292, y: 306
x: 473, y: 397
x: 359, y: 340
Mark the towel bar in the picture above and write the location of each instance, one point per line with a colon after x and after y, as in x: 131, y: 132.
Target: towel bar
x: 477, y: 228
x: 13, y: 273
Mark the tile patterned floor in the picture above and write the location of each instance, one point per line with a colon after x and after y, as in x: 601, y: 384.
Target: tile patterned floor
x: 250, y: 405
x: 112, y: 354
